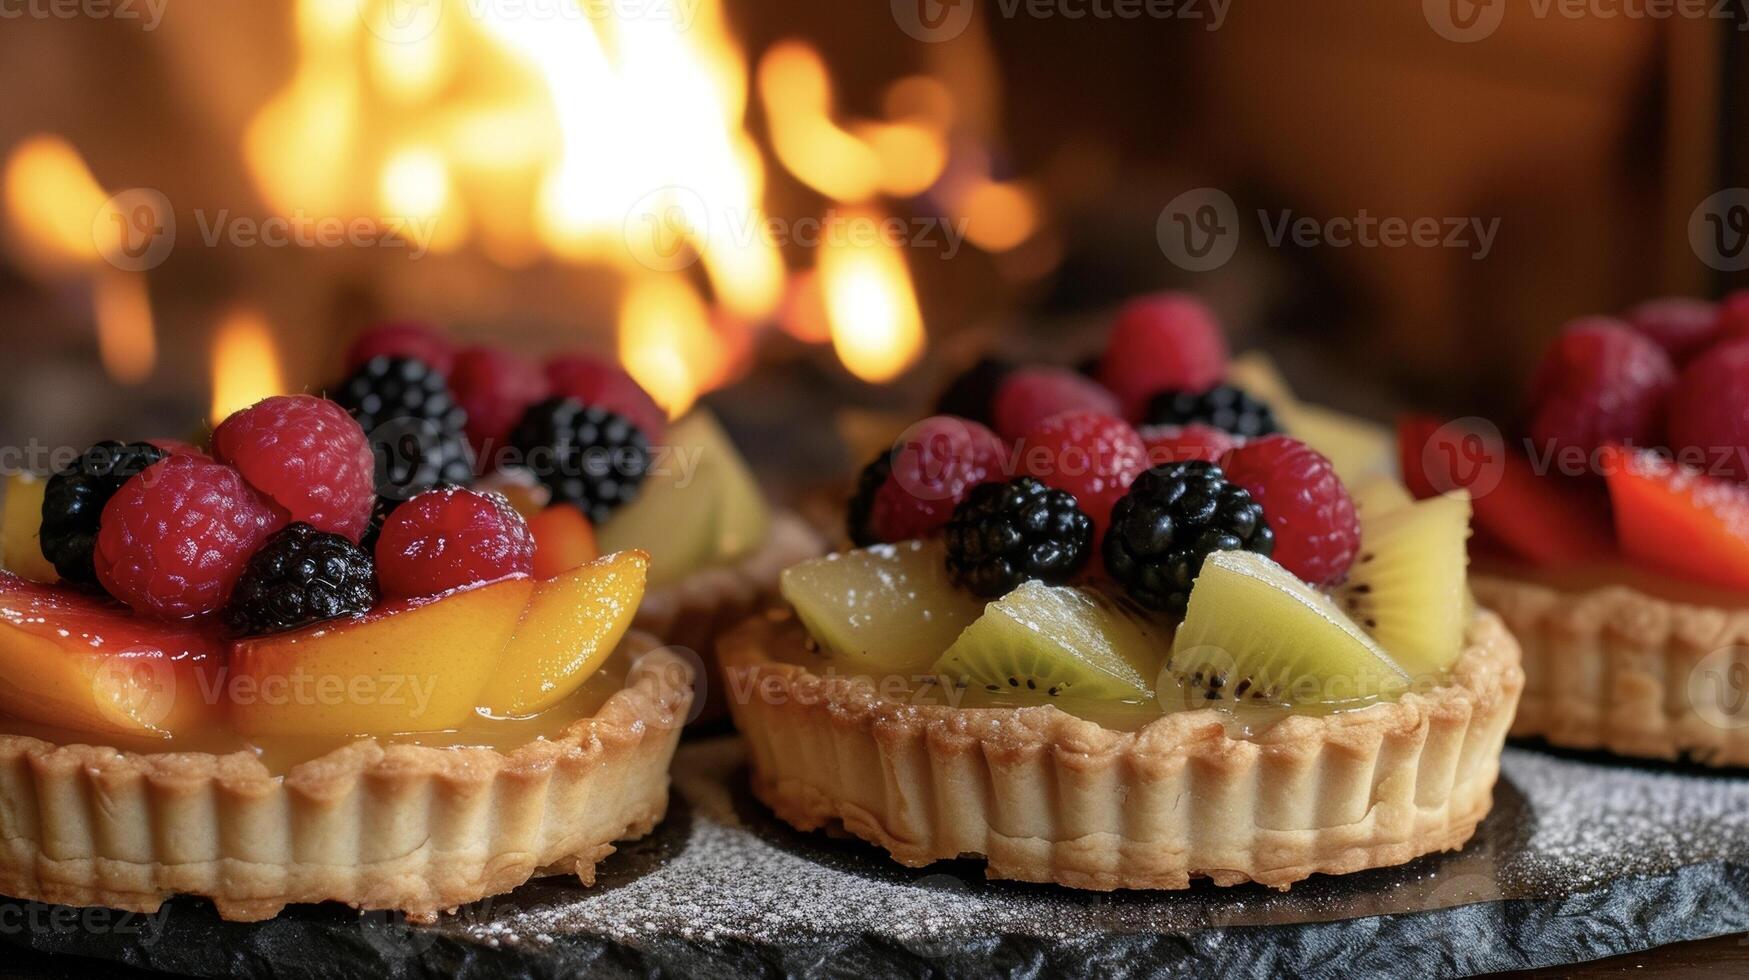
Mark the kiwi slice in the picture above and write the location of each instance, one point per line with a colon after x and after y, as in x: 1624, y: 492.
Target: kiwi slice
x: 1409, y: 588
x: 1379, y: 496
x: 1256, y: 634
x: 1042, y: 642
x: 889, y: 607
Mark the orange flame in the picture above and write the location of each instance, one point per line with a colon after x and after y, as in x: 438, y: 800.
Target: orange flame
x: 52, y: 201
x: 246, y: 366
x: 669, y: 344
x: 125, y: 338
x: 877, y: 328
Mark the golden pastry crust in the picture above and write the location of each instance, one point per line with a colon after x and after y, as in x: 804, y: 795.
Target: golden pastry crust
x: 1614, y: 668
x: 1045, y: 796
x: 416, y: 829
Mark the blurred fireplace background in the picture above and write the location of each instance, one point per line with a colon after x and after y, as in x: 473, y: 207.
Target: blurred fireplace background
x: 591, y: 181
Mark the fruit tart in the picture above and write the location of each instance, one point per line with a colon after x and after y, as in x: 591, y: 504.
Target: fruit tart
x: 1094, y: 670
x: 209, y: 686
x: 589, y: 457
x: 1613, y: 530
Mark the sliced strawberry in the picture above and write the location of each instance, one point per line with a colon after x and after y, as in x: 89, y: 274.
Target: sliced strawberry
x: 1678, y: 519
x: 1545, y: 519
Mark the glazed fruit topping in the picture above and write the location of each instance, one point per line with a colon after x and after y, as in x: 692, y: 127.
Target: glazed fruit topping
x: 563, y: 539
x: 301, y: 575
x: 1092, y: 455
x: 1170, y: 341
x: 1225, y: 407
x: 73, y: 501
x: 588, y: 456
x: 1410, y: 587
x: 1316, y: 531
x: 934, y: 466
x: 1600, y: 383
x: 603, y: 384
x: 1173, y: 518
x: 1029, y: 396
x: 1008, y: 533
x: 308, y: 456
x: 1682, y: 326
x: 1679, y: 520
x: 413, y: 424
x: 175, y: 538
x: 1709, y: 412
x: 893, y: 602
x: 1043, y: 643
x: 416, y: 341
x: 495, y: 388
x: 451, y: 538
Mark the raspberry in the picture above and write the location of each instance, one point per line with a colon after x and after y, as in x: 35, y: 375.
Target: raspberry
x: 593, y: 381
x: 1091, y: 455
x: 935, y: 465
x: 1733, y: 322
x: 452, y: 538
x: 308, y: 456
x: 1683, y: 327
x: 1709, y: 412
x: 1178, y: 443
x: 178, y: 447
x: 404, y: 339
x: 1031, y: 395
x: 1600, y: 383
x: 1169, y: 341
x: 1317, y: 534
x: 176, y: 537
x: 494, y: 387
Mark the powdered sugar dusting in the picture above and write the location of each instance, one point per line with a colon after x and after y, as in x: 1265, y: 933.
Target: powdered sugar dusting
x: 725, y: 869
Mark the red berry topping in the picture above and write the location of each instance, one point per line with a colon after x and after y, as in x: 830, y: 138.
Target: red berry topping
x: 1092, y: 455
x: 594, y: 381
x: 178, y: 447
x: 416, y: 340
x: 308, y: 456
x: 450, y: 538
x: 935, y: 465
x: 1166, y: 342
x: 1600, y: 383
x: 1676, y: 519
x: 176, y: 537
x: 1683, y: 327
x: 1709, y: 412
x: 1180, y: 443
x: 495, y: 387
x: 1317, y: 534
x: 1733, y: 322
x: 1031, y: 395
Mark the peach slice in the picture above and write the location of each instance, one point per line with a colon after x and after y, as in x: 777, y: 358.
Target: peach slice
x: 21, y: 529
x: 408, y: 666
x: 563, y: 539
x: 573, y: 622
x: 75, y: 661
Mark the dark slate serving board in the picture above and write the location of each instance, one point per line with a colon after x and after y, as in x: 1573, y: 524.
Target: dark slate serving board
x: 1583, y: 857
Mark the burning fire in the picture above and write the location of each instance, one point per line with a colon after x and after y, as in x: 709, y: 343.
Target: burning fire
x: 877, y: 328
x: 245, y: 366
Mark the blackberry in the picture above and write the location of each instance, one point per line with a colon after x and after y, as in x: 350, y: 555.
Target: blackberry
x: 1225, y: 407
x: 73, y: 503
x: 414, y: 425
x: 1007, y: 533
x: 1173, y: 517
x: 589, y: 457
x: 971, y: 394
x: 861, y: 507
x: 301, y: 576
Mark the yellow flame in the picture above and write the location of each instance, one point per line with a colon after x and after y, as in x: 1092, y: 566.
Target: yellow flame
x: 797, y: 94
x: 415, y: 192
x: 245, y: 366
x: 877, y: 328
x: 668, y: 344
x: 999, y: 216
x: 52, y: 201
x: 125, y: 338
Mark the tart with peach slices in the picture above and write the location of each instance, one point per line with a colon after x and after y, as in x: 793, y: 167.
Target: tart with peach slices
x: 223, y: 693
x: 1114, y: 675
x: 1613, y: 531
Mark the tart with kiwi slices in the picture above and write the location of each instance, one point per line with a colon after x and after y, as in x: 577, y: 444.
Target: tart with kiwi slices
x: 1223, y: 695
x: 1613, y: 530
x: 222, y: 693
